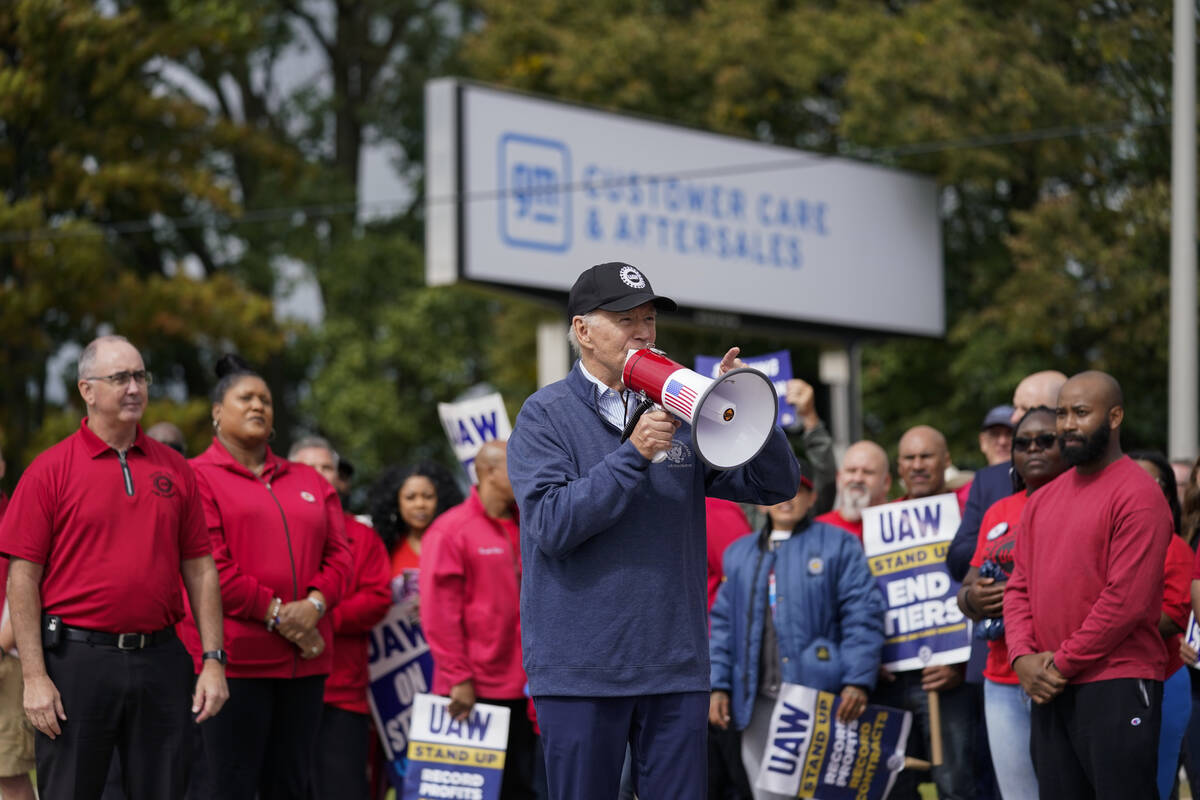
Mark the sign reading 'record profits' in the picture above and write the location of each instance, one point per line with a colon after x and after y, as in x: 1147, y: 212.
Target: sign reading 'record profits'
x: 776, y: 366
x: 906, y: 546
x: 527, y: 192
x: 451, y: 759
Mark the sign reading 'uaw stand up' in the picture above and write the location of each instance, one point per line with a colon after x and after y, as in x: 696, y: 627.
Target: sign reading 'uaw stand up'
x: 809, y: 753
x: 906, y: 546
x: 451, y: 759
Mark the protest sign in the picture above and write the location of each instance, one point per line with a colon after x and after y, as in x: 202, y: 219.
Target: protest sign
x: 448, y: 758
x: 776, y: 366
x: 1192, y: 635
x: 399, y: 667
x: 469, y: 424
x: 906, y: 546
x: 810, y: 754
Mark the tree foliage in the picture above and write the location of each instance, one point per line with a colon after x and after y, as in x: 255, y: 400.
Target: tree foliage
x: 1054, y: 220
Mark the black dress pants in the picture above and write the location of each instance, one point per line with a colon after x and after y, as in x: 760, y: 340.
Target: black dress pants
x: 263, y: 741
x: 340, y: 764
x: 1098, y: 740
x: 137, y: 702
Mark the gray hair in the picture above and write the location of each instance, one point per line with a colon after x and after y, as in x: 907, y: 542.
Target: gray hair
x: 305, y: 442
x: 88, y: 357
x: 573, y: 340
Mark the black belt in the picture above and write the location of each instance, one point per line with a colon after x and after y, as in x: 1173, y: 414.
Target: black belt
x: 121, y: 641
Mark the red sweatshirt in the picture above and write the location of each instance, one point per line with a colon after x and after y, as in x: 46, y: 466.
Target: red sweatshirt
x: 1177, y: 597
x: 724, y: 522
x: 1087, y: 578
x: 471, y: 600
x: 279, y: 534
x: 366, y: 601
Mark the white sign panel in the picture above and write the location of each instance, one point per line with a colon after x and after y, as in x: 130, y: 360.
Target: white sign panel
x: 529, y: 192
x: 470, y: 424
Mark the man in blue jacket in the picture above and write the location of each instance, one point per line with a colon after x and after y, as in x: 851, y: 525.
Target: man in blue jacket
x: 799, y: 605
x: 613, y: 600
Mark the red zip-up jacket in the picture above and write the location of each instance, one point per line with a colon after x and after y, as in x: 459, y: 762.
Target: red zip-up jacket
x: 470, y: 602
x: 278, y: 534
x: 367, y: 599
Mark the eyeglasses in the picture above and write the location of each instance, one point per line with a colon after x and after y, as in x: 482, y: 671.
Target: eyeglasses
x: 122, y: 378
x: 1044, y: 442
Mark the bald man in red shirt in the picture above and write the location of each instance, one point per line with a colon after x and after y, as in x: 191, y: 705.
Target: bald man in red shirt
x: 100, y: 530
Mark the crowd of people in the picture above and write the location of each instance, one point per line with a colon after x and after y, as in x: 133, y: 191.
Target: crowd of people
x: 198, y: 627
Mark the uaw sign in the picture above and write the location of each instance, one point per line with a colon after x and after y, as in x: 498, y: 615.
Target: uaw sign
x: 525, y: 192
x: 809, y: 753
x: 906, y: 546
x: 399, y: 668
x: 459, y: 759
x: 469, y: 424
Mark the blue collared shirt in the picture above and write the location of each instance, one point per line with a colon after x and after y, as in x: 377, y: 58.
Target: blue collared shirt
x: 615, y: 407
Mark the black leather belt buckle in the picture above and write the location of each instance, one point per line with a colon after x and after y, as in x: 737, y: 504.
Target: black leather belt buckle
x: 131, y: 641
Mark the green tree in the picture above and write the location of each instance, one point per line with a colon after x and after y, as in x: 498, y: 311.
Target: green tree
x: 90, y: 139
x: 1055, y: 245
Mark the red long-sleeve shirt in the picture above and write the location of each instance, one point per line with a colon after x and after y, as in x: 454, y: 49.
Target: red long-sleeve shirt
x: 366, y: 601
x: 471, y: 599
x: 1087, y: 579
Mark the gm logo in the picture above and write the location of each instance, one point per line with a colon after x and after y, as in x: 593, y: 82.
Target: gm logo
x: 535, y: 195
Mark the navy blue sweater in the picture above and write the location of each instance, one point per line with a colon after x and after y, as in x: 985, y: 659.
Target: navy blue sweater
x: 613, y: 592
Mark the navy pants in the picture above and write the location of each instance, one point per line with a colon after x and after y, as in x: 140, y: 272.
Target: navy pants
x: 585, y: 739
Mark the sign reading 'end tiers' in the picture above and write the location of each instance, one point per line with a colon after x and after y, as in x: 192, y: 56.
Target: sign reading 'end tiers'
x: 528, y: 192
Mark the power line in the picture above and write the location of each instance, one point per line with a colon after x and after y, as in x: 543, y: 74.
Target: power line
x: 802, y: 161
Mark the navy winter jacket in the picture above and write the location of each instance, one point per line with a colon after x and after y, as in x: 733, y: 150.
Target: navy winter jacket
x: 613, y: 551
x: 828, y: 614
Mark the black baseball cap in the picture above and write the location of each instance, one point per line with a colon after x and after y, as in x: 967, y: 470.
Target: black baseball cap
x: 613, y: 286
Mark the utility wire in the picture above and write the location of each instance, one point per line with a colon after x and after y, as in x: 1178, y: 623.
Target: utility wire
x: 803, y: 161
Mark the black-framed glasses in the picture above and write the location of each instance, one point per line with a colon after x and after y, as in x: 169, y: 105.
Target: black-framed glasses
x: 1044, y: 442
x: 122, y: 378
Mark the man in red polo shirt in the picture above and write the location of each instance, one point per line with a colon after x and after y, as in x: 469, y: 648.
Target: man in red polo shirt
x: 98, y: 533
x: 1082, y: 607
x: 343, y: 739
x: 470, y: 608
x: 863, y: 481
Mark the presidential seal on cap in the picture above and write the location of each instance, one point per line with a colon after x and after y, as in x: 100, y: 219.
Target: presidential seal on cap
x: 613, y: 287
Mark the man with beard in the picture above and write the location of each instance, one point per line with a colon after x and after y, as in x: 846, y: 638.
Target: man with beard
x: 1083, y: 603
x: 863, y: 481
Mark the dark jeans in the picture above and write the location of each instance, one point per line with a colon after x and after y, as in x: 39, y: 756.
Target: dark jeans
x: 136, y: 701
x: 1098, y: 740
x: 585, y: 740
x: 263, y: 740
x: 340, y: 763
x: 955, y: 778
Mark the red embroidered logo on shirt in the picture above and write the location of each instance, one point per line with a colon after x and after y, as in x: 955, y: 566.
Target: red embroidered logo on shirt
x: 491, y: 551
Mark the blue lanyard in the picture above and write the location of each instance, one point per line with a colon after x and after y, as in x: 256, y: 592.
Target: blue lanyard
x: 771, y: 591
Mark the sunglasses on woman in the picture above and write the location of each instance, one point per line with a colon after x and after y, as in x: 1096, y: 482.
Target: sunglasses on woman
x: 1044, y: 442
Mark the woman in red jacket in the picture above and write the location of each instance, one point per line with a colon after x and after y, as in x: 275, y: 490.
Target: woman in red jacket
x: 280, y: 547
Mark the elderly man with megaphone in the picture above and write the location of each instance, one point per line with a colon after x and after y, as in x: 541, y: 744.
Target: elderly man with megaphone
x: 613, y: 601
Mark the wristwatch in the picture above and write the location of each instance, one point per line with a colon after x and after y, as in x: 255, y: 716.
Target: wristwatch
x: 220, y: 656
x: 317, y: 603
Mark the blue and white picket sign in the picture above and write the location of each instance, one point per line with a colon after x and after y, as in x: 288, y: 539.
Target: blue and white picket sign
x: 776, y: 366
x: 448, y: 758
x: 399, y: 667
x: 469, y: 424
x: 906, y: 546
x: 810, y: 754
